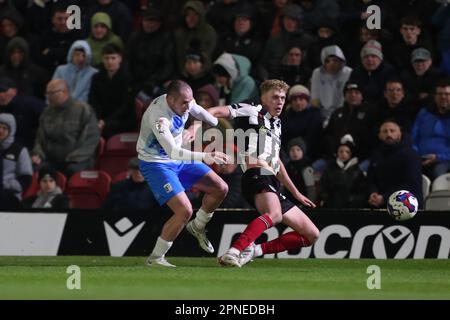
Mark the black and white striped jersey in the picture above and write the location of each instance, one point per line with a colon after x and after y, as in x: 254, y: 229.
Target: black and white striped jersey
x: 258, y: 134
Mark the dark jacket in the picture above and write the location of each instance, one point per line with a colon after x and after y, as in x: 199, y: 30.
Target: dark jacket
x: 395, y: 167
x: 343, y: 187
x: 295, y: 171
x: 30, y: 79
x: 59, y: 202
x: 127, y: 195
x: 26, y: 110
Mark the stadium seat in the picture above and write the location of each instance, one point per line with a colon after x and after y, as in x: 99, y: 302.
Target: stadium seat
x: 438, y: 200
x: 119, y: 149
x: 441, y: 183
x: 88, y: 189
x: 33, y: 189
x: 426, y: 184
x: 140, y: 107
x: 120, y: 177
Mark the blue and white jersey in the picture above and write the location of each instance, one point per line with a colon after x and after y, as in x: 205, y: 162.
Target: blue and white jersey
x: 161, y: 136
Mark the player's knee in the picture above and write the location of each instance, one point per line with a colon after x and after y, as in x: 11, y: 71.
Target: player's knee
x: 186, y: 214
x: 276, y: 217
x: 314, y: 235
x: 223, y: 189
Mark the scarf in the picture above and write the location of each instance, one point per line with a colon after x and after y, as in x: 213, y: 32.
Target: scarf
x: 44, y: 200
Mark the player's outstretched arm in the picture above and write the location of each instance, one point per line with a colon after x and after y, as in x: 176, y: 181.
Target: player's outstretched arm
x: 284, y: 178
x: 162, y: 132
x: 234, y: 110
x: 201, y: 114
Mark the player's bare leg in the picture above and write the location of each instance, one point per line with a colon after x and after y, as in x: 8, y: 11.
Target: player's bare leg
x: 182, y: 209
x: 304, y: 235
x: 215, y: 190
x: 268, y: 205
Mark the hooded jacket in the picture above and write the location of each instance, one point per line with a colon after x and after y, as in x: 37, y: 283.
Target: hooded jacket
x: 202, y: 31
x: 79, y: 81
x: 242, y: 85
x: 326, y: 87
x: 15, y: 163
x: 29, y: 78
x: 97, y: 45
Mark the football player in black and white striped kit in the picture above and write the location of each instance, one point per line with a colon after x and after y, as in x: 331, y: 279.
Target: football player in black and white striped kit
x: 263, y: 173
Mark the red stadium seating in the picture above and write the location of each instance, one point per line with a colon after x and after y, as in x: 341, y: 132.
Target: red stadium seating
x: 119, y: 149
x: 33, y: 189
x: 100, y: 150
x: 120, y: 177
x: 88, y: 189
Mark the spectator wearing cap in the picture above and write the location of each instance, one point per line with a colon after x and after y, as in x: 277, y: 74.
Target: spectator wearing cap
x: 244, y: 38
x: 327, y: 81
x: 343, y: 184
x: 15, y: 165
x: 131, y: 193
x: 197, y: 69
x: 374, y: 72
x: 421, y: 77
x: 50, y: 195
x: 231, y: 72
x: 296, y: 164
x: 394, y: 165
x: 68, y: 134
x: 25, y: 109
x: 117, y: 10
x: 196, y: 27
x: 412, y: 37
x: 394, y: 105
x: 431, y: 132
x: 294, y: 69
x: 77, y: 73
x: 29, y: 78
x: 110, y: 94
x: 291, y: 32
x: 101, y: 35
x: 352, y: 118
x: 151, y: 53
x: 299, y: 119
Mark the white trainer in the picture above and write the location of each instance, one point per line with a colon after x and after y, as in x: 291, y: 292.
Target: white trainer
x: 229, y: 260
x: 158, y: 262
x: 201, y: 237
x: 247, y: 254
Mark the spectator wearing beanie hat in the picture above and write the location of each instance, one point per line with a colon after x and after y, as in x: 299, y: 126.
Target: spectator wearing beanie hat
x: 197, y: 68
x: 294, y: 69
x: 300, y: 120
x: 374, y: 72
x: 50, y: 195
x: 343, y: 184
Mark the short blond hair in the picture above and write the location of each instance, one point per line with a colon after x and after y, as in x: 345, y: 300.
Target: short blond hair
x: 276, y: 84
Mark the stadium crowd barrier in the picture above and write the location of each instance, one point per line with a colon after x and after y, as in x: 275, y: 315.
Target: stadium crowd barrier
x: 344, y: 234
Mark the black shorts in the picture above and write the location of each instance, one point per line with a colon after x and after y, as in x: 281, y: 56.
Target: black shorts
x: 254, y: 182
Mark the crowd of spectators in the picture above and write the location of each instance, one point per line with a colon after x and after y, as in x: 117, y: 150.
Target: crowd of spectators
x: 368, y: 109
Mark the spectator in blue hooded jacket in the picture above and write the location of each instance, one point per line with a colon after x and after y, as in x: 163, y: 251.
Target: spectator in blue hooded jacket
x: 78, y: 71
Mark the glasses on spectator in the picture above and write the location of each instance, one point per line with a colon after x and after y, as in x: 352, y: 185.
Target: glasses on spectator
x: 440, y: 93
x: 295, y: 54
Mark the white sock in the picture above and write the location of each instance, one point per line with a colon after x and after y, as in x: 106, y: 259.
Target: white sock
x: 258, y: 251
x: 161, y: 247
x: 202, y: 218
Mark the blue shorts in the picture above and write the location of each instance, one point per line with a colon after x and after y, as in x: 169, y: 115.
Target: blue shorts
x: 166, y: 179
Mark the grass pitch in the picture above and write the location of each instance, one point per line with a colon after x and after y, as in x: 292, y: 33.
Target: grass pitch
x: 204, y: 279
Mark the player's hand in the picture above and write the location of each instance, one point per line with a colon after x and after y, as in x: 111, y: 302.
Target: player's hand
x: 216, y: 157
x: 304, y: 200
